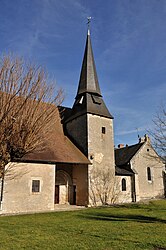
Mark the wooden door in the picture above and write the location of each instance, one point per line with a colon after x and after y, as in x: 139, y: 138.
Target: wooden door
x: 56, y: 194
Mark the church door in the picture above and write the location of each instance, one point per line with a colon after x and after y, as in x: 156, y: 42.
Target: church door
x: 63, y: 190
x: 56, y: 194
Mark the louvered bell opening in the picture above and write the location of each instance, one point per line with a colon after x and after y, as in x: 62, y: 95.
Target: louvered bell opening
x: 96, y: 99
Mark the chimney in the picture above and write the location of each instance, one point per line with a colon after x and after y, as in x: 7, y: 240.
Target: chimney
x: 144, y: 139
x: 147, y: 138
x: 141, y: 139
x: 121, y: 146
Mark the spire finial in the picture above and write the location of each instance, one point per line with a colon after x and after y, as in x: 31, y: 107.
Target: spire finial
x: 88, y: 24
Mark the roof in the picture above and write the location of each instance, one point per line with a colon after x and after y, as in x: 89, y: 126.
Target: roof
x: 88, y: 98
x: 124, y: 155
x: 89, y: 104
x: 57, y: 148
x: 88, y: 78
x: 123, y: 171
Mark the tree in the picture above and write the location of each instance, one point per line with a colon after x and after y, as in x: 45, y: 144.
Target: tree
x: 104, y: 187
x: 158, y: 133
x: 28, y: 107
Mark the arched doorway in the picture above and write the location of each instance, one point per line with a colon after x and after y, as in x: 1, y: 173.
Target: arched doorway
x: 63, y: 188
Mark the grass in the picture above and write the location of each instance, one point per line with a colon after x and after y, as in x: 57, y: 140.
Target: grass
x: 122, y: 227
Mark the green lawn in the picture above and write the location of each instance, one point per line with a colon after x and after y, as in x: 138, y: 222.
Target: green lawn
x: 124, y: 227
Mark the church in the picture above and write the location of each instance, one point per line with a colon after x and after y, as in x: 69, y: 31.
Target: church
x: 81, y: 165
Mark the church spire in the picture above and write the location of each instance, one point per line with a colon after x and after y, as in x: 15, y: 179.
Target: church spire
x: 88, y: 99
x: 88, y: 82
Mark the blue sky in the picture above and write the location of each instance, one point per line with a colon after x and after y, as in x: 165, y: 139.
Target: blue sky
x: 129, y: 45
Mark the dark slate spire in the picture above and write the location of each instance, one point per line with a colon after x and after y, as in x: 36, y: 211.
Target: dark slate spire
x: 88, y: 79
x: 89, y: 98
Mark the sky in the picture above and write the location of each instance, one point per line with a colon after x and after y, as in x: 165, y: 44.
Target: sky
x: 129, y: 45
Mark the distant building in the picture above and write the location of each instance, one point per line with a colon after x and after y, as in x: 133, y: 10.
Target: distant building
x: 80, y: 163
x: 145, y: 172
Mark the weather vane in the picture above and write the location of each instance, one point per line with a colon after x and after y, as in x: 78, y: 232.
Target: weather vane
x: 89, y: 20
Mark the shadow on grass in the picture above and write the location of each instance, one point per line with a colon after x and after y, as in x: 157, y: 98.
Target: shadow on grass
x: 129, y: 217
x: 146, y: 206
x: 159, y: 248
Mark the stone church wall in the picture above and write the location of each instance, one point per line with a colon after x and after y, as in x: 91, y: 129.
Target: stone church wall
x: 18, y: 195
x: 147, y: 158
x: 123, y: 196
x: 101, y: 145
x: 101, y: 155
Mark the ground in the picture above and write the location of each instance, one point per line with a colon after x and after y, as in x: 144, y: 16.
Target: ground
x: 137, y: 226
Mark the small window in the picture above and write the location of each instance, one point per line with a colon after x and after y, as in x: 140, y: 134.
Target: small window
x: 103, y: 130
x: 123, y: 184
x: 149, y: 174
x: 147, y: 149
x: 35, y: 186
x: 81, y: 100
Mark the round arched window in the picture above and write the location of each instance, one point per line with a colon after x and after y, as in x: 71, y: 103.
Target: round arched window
x: 149, y: 174
x: 123, y: 184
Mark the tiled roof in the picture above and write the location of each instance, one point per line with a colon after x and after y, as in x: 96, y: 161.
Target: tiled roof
x: 65, y: 112
x: 57, y: 148
x: 123, y: 171
x: 124, y: 155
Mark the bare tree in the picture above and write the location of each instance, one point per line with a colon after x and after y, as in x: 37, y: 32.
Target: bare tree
x: 158, y: 133
x: 28, y: 107
x: 104, y: 187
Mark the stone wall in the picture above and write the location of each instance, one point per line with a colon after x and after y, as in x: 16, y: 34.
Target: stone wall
x: 147, y: 158
x: 123, y: 196
x: 101, y: 145
x: 18, y: 195
x: 101, y: 155
x: 93, y: 135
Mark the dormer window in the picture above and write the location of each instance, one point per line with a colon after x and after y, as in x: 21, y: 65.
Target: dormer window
x: 96, y: 99
x: 81, y: 100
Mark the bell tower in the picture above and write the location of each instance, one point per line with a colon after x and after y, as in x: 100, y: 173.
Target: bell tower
x: 90, y: 124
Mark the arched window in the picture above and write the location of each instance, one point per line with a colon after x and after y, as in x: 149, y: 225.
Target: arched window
x: 123, y: 184
x: 149, y: 174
